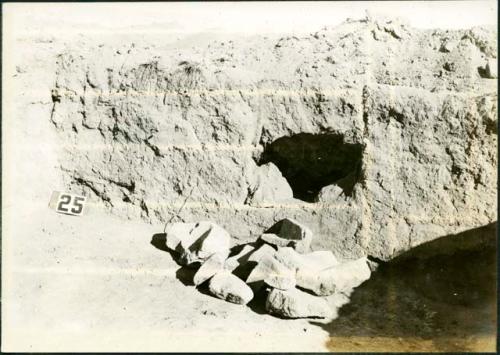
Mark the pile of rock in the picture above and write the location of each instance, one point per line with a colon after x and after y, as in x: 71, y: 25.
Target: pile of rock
x: 280, y: 265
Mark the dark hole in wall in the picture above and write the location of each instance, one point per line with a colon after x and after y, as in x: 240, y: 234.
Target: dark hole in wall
x: 310, y: 162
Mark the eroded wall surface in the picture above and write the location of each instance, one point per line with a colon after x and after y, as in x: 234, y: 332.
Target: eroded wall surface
x: 185, y: 134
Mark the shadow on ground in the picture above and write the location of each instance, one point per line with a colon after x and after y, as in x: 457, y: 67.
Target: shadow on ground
x: 440, y: 296
x: 185, y: 274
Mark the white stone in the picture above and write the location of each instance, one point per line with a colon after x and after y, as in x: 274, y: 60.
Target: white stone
x: 330, y: 193
x: 178, y: 236
x: 273, y: 273
x: 294, y: 303
x: 209, y: 268
x: 269, y: 187
x: 321, y: 259
x: 261, y: 252
x: 229, y: 287
x: 209, y: 239
x: 341, y: 278
x: 290, y: 258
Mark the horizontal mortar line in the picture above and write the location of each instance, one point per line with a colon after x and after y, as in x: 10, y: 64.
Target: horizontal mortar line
x: 92, y: 270
x: 197, y: 147
x: 445, y: 221
x: 214, y: 206
x: 203, y: 147
x: 260, y: 92
x: 236, y: 92
x: 376, y: 84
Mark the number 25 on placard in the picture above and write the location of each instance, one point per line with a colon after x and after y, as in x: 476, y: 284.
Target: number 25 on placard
x: 67, y: 203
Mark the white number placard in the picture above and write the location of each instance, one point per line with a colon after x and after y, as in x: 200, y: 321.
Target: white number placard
x: 63, y: 202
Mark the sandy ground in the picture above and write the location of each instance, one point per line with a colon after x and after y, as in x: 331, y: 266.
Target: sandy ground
x: 95, y: 283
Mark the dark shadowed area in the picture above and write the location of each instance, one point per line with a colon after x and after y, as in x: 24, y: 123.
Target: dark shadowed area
x: 440, y: 296
x: 310, y: 162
